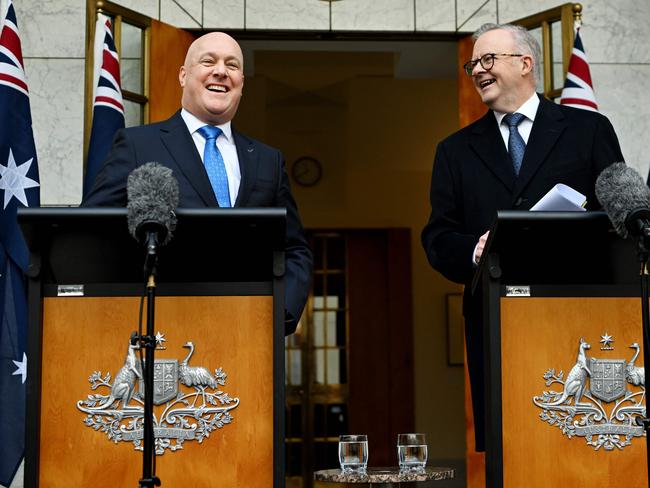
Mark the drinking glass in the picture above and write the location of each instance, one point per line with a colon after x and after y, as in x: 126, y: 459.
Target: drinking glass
x: 412, y: 452
x: 353, y: 453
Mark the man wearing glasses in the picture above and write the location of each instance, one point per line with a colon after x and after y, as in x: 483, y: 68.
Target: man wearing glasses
x: 508, y: 159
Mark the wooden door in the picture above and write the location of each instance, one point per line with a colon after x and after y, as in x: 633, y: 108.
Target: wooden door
x: 365, y: 275
x: 168, y: 47
x: 381, y: 340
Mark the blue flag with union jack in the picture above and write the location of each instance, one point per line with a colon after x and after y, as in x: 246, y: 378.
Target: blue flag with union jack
x: 108, y: 107
x: 578, y: 89
x: 18, y: 187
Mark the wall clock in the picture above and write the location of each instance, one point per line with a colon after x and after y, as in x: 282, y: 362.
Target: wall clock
x: 306, y: 171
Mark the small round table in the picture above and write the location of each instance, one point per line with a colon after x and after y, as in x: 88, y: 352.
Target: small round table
x: 384, y: 477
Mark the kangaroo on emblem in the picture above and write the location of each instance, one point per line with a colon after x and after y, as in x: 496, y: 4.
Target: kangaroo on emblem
x: 576, y: 380
x: 124, y: 384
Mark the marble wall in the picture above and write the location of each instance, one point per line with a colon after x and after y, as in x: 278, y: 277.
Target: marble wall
x: 54, y: 65
x: 53, y: 41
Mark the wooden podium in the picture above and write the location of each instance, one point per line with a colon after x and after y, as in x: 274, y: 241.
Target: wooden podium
x: 562, y: 322
x: 220, y: 320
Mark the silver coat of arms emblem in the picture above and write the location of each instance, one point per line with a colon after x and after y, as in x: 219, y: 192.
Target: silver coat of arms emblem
x: 581, y: 408
x: 194, y: 402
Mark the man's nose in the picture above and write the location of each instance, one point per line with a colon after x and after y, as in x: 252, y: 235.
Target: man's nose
x: 478, y: 68
x: 219, y: 69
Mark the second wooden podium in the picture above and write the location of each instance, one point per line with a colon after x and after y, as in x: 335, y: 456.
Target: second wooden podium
x: 564, y: 362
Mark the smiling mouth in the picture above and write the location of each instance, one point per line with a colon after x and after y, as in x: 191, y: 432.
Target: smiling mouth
x: 486, y: 83
x: 217, y: 88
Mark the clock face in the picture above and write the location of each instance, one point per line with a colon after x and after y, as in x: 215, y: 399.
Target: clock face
x: 306, y: 171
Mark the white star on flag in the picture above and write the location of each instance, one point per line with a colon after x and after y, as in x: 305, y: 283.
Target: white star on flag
x: 13, y: 180
x: 21, y: 368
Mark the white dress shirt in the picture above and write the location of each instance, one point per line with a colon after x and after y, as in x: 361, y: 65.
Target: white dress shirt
x: 226, y: 146
x: 528, y: 109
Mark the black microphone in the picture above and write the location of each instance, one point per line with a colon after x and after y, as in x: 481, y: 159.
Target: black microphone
x: 152, y: 196
x: 626, y: 200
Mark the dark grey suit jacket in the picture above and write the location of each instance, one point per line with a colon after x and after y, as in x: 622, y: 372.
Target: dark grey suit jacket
x: 473, y: 177
x: 264, y: 183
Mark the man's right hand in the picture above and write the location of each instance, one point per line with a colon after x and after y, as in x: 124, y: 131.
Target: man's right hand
x: 480, y: 246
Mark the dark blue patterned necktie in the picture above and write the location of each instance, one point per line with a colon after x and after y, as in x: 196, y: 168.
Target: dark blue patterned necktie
x: 516, y: 144
x: 214, y: 165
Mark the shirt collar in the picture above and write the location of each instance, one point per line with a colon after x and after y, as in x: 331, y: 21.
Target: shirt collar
x: 193, y: 124
x: 528, y: 109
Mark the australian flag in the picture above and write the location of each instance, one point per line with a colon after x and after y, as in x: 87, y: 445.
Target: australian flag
x: 18, y: 187
x: 108, y: 107
x: 578, y: 89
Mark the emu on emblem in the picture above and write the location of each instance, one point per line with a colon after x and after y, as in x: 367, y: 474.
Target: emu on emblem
x: 607, y: 378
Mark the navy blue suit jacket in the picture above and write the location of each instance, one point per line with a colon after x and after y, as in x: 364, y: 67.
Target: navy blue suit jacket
x: 264, y: 183
x: 473, y: 177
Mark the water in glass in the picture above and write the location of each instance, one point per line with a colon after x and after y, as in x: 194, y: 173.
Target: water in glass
x: 412, y: 457
x: 412, y: 451
x: 353, y: 453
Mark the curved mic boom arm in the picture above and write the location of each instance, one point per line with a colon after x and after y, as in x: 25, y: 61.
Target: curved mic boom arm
x: 637, y: 223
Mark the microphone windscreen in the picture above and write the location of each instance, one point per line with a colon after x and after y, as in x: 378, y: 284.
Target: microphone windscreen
x: 152, y: 196
x: 620, y: 190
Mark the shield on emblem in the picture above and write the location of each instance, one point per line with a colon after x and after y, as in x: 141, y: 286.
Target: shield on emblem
x: 607, y: 380
x: 165, y: 380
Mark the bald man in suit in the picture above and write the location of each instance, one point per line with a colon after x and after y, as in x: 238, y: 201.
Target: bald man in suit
x: 475, y: 171
x: 212, y: 79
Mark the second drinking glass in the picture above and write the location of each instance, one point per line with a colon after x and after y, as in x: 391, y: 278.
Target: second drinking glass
x: 412, y: 452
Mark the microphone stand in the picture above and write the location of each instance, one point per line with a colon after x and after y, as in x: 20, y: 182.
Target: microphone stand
x: 148, y: 341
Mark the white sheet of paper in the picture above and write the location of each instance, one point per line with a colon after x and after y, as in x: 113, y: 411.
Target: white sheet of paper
x: 561, y: 198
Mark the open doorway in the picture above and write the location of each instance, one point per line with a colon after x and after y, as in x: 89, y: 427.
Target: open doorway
x: 358, y: 122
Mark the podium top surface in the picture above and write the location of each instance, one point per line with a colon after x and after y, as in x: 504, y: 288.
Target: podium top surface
x: 558, y: 248
x: 93, y: 245
x: 49, y: 215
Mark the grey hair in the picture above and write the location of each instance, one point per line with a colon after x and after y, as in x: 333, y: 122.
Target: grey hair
x: 524, y: 41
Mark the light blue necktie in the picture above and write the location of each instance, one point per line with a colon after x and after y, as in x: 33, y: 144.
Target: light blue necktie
x: 516, y: 144
x: 214, y: 165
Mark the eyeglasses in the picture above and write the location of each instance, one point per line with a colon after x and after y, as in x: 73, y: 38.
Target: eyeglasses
x: 487, y: 61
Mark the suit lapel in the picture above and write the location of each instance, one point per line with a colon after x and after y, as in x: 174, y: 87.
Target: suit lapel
x: 248, y: 161
x: 549, y: 124
x: 178, y: 141
x: 487, y: 142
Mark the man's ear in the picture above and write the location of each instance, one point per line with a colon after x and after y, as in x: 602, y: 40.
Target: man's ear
x: 181, y: 76
x: 527, y: 64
